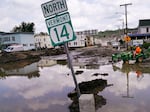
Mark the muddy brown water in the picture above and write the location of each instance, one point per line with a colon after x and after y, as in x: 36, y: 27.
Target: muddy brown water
x: 31, y: 88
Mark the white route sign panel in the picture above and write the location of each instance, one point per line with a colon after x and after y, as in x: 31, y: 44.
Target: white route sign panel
x: 53, y: 7
x: 138, y: 42
x: 60, y: 29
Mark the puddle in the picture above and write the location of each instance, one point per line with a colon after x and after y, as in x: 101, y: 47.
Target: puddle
x: 125, y: 88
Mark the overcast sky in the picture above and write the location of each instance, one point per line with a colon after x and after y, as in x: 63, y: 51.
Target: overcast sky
x: 85, y: 14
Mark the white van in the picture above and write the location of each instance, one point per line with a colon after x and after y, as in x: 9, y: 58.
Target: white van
x: 14, y: 48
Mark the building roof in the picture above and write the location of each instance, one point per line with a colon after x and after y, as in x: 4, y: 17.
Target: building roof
x: 18, y: 33
x: 2, y: 32
x: 144, y: 22
x: 139, y: 35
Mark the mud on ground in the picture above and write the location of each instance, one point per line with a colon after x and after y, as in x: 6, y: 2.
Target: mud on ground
x: 98, y: 51
x: 30, y: 55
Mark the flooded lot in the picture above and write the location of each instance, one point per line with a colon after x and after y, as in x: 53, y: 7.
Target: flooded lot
x: 34, y: 88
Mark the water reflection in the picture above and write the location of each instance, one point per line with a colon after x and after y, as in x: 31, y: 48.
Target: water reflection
x: 89, y: 87
x: 137, y: 69
x: 46, y: 62
x: 130, y: 90
x: 23, y: 68
x: 38, y: 94
x: 28, y: 70
x: 48, y: 93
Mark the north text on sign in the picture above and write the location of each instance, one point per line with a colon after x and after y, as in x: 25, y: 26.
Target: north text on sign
x: 54, y: 7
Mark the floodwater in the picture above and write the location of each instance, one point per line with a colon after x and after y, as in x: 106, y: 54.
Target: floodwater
x: 44, y: 86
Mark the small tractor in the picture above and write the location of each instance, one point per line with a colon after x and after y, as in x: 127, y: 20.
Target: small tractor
x: 128, y: 56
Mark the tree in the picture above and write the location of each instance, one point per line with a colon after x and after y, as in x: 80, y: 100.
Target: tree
x: 24, y: 27
x: 43, y: 33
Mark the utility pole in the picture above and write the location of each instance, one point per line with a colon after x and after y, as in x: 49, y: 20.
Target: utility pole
x: 122, y: 27
x: 126, y: 29
x: 125, y: 5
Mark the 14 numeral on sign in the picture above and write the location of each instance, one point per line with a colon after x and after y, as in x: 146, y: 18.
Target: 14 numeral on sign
x: 64, y: 33
x: 61, y: 33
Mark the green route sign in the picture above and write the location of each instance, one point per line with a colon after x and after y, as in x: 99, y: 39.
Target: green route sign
x: 60, y: 29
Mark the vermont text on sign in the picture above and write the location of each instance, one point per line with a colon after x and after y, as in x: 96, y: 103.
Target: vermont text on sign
x: 58, y: 20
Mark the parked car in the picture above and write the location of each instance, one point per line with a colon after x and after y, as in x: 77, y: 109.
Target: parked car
x: 14, y: 48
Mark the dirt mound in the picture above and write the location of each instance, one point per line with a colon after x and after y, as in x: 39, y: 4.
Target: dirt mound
x: 28, y: 55
x: 18, y: 56
x: 99, y: 51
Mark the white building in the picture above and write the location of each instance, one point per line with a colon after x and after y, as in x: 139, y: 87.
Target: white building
x: 82, y: 41
x: 23, y: 38
x: 43, y: 41
x: 89, y: 41
x: 79, y: 42
x: 144, y: 26
x: 143, y: 34
x: 88, y: 32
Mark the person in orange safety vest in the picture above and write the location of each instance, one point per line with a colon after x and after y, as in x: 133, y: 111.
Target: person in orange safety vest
x: 137, y: 51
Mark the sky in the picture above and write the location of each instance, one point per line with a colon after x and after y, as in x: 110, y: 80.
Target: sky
x: 85, y: 14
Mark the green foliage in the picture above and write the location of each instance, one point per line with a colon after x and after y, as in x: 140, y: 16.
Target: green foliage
x: 42, y: 34
x: 121, y: 41
x: 146, y: 45
x: 24, y: 27
x: 107, y: 33
x: 111, y: 33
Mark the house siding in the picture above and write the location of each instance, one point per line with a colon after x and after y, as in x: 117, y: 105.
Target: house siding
x: 25, y: 39
x: 144, y: 29
x: 79, y: 42
x: 43, y: 41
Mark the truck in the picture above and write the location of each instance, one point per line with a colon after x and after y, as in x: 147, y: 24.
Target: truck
x: 14, y: 48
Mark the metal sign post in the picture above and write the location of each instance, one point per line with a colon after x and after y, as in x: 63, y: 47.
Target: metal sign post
x: 72, y: 70
x: 60, y: 28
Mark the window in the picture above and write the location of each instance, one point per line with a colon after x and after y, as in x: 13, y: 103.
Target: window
x: 6, y: 39
x: 13, y: 38
x: 75, y: 43
x: 147, y: 30
x: 45, y: 46
x: 44, y: 39
x: 31, y: 44
x: 25, y: 45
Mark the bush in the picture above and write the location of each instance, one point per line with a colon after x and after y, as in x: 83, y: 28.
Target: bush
x: 146, y: 45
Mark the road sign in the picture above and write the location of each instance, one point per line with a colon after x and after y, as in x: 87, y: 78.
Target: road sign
x: 54, y: 7
x: 60, y: 29
x: 127, y: 39
x: 137, y: 42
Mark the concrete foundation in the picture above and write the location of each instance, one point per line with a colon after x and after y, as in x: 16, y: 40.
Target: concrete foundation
x: 87, y: 103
